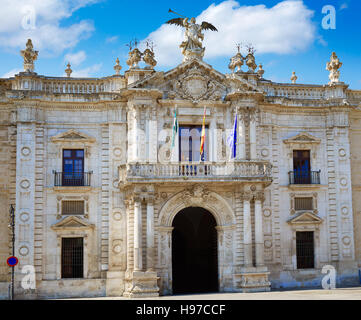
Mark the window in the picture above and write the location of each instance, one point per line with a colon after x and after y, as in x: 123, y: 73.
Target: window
x: 305, y: 250
x: 73, y: 168
x: 190, y: 144
x: 75, y: 208
x: 303, y: 204
x: 72, y: 258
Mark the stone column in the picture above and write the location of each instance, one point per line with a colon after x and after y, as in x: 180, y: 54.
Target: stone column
x: 138, y: 266
x: 259, y: 229
x: 150, y: 235
x: 153, y: 136
x: 253, y: 137
x: 247, y: 229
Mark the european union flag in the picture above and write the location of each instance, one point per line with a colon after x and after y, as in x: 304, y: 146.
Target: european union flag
x: 232, y: 139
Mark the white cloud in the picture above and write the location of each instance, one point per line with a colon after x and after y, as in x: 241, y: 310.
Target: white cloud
x: 87, y: 72
x: 344, y: 6
x: 111, y: 39
x: 11, y: 73
x: 41, y: 21
x: 75, y: 58
x: 285, y: 28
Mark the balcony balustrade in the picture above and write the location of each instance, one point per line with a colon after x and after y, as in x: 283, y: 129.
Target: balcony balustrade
x: 72, y: 179
x: 305, y: 177
x: 202, y: 172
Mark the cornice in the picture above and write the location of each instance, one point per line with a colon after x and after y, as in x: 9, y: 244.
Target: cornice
x: 141, y: 92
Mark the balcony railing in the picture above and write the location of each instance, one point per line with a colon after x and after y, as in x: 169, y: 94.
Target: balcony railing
x: 231, y: 171
x: 305, y: 177
x: 72, y: 179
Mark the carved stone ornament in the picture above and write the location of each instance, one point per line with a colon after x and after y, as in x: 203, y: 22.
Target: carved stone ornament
x: 196, y: 86
x: 29, y: 55
x: 135, y: 57
x: 333, y: 67
x: 148, y: 58
x: 236, y: 63
x: 195, y: 195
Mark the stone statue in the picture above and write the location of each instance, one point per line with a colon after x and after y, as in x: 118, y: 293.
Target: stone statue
x: 333, y: 66
x: 29, y: 56
x: 294, y: 77
x: 192, y: 45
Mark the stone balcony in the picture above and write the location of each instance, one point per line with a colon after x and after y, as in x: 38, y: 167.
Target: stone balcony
x: 229, y: 172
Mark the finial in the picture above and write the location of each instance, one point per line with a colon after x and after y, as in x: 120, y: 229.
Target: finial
x: 294, y: 77
x: 117, y: 67
x: 68, y: 70
x: 260, y: 71
x: 333, y: 66
x: 250, y: 59
x: 29, y: 56
x: 148, y: 58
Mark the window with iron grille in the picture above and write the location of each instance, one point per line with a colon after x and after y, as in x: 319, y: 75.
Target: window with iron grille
x: 75, y: 208
x: 303, y: 203
x: 72, y: 259
x: 305, y: 250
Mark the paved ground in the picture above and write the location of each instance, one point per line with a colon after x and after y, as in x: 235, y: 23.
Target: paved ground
x: 338, y: 294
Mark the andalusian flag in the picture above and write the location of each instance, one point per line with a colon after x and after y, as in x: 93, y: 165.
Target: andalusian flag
x: 203, y: 139
x: 175, y: 128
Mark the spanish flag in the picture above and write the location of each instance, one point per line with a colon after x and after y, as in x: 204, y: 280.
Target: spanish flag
x: 203, y: 139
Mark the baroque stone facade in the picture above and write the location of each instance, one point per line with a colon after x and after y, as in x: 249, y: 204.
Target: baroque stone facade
x: 138, y: 184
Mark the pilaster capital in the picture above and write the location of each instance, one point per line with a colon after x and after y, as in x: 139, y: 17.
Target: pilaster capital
x: 247, y: 196
x: 259, y: 196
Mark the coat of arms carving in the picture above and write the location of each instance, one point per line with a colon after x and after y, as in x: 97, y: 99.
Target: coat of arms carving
x: 196, y: 86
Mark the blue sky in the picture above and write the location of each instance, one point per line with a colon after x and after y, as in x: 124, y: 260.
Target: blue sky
x: 287, y: 35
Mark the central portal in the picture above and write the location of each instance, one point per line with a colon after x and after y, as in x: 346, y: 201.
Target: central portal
x: 194, y: 252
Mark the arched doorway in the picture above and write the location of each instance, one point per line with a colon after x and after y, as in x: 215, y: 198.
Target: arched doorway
x: 194, y: 252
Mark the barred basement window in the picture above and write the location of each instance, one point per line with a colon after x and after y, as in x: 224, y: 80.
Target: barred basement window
x: 72, y: 259
x: 303, y: 204
x: 305, y: 250
x: 75, y: 208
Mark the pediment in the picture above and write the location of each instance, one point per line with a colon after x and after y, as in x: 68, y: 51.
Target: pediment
x: 305, y: 218
x: 72, y: 136
x: 73, y: 223
x: 303, y: 138
x: 194, y: 80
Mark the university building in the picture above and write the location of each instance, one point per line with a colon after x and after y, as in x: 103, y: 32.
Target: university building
x: 112, y: 200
